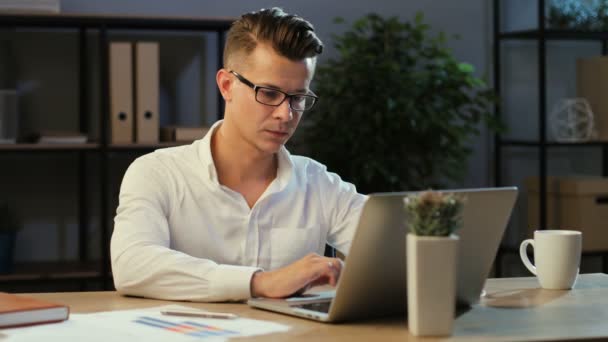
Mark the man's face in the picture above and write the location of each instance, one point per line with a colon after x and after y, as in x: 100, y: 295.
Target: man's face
x: 264, y: 127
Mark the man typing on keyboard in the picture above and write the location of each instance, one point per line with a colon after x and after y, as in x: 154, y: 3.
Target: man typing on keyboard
x: 235, y: 215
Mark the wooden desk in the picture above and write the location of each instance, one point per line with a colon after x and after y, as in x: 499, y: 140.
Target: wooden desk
x: 513, y: 309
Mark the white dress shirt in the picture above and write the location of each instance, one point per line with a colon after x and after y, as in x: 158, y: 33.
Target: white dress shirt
x: 181, y: 235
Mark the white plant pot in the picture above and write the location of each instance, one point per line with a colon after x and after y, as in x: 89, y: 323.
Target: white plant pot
x: 431, y: 284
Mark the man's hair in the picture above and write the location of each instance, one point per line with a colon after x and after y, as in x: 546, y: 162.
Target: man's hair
x: 289, y: 35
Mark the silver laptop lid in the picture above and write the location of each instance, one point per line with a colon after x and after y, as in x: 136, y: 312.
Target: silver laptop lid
x: 373, y: 281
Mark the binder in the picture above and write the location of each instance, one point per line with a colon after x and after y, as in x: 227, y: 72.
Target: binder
x: 121, y: 93
x: 146, y: 92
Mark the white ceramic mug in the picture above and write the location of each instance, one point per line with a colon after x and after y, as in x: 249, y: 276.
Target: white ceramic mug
x: 557, y: 254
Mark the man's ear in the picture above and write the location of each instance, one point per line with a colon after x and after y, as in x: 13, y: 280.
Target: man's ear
x: 224, y: 82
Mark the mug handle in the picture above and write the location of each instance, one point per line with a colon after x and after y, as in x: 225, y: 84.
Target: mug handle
x: 524, y: 255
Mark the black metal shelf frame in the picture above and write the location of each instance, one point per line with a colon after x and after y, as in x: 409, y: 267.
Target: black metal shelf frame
x: 550, y: 34
x: 103, y: 24
x: 541, y: 35
x: 534, y: 143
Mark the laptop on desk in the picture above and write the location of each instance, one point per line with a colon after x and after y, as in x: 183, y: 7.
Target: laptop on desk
x: 373, y: 280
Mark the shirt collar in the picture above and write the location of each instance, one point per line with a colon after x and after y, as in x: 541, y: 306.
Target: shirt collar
x: 285, y: 164
x: 204, y: 153
x: 285, y: 169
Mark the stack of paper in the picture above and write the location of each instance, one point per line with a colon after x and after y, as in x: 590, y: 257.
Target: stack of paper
x: 59, y: 137
x: 45, y: 6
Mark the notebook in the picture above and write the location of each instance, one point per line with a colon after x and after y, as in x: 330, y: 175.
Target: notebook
x: 17, y: 310
x: 373, y: 280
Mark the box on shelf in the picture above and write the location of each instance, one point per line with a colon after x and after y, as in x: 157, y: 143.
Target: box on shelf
x: 591, y: 84
x: 182, y: 134
x: 575, y: 203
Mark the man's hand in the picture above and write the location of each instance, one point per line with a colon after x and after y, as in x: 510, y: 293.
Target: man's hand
x: 312, y: 270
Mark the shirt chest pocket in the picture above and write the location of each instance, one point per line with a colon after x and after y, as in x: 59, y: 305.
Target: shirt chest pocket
x: 290, y: 244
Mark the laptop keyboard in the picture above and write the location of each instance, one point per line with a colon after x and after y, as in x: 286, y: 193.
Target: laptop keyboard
x: 320, y: 307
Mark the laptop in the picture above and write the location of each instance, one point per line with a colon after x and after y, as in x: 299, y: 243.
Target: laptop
x: 373, y: 280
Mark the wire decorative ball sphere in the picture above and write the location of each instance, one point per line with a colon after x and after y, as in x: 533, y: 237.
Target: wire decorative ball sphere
x: 572, y: 120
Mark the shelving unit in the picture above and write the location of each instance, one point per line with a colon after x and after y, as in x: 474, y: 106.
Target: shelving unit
x: 85, y: 269
x: 541, y: 36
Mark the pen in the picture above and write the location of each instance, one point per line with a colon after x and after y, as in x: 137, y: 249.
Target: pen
x: 198, y: 313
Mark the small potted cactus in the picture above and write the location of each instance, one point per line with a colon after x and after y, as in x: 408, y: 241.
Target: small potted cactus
x: 432, y: 252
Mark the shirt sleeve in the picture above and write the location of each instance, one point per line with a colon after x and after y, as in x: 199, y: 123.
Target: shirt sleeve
x: 343, y: 210
x: 143, y: 264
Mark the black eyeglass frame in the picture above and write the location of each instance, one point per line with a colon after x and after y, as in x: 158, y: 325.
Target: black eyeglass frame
x: 256, y: 88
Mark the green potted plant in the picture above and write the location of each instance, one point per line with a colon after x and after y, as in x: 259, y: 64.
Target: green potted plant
x: 396, y: 109
x: 432, y: 254
x: 9, y: 225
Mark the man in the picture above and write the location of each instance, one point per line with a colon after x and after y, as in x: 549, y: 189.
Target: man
x: 234, y: 215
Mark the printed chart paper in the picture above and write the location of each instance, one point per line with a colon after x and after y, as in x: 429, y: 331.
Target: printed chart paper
x: 145, y: 324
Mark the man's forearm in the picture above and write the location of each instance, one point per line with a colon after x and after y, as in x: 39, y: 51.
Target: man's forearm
x: 159, y: 272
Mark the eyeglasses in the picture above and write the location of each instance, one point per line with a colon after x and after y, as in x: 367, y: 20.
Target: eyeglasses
x: 274, y: 97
